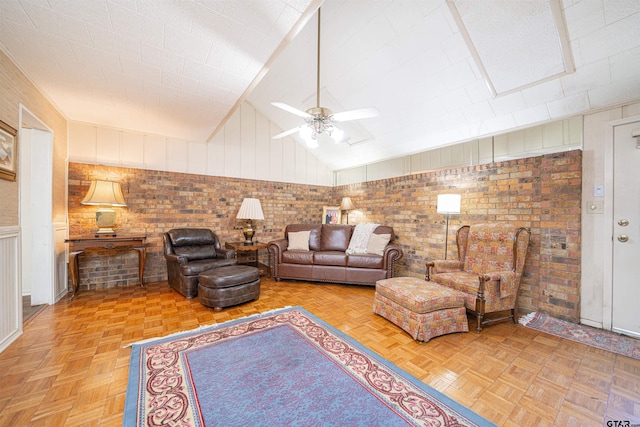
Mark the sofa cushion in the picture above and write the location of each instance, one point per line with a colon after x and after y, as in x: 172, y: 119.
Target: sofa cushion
x: 330, y: 258
x: 335, y: 237
x: 377, y: 243
x: 314, y: 235
x: 299, y: 241
x: 365, y: 261
x: 298, y: 257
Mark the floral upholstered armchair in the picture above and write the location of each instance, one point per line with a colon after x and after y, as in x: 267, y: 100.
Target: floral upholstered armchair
x: 488, y: 269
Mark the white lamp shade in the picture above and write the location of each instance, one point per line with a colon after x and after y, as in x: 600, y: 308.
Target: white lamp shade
x: 448, y: 204
x: 250, y: 209
x: 104, y: 193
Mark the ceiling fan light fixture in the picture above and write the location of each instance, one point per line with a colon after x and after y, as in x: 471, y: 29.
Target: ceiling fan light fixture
x: 338, y: 135
x: 320, y: 120
x: 309, y: 136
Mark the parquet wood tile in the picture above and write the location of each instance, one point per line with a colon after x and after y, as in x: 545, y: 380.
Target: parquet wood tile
x: 70, y: 366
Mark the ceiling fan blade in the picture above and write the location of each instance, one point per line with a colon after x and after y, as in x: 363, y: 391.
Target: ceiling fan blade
x: 286, y: 133
x: 291, y: 109
x: 363, y: 113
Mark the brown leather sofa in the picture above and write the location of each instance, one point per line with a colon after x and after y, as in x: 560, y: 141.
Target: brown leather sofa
x: 189, y: 252
x: 326, y: 259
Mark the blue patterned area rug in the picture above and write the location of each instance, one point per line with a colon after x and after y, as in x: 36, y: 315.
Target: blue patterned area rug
x: 284, y: 367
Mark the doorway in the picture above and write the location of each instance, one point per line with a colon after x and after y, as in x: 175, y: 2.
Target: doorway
x: 36, y: 226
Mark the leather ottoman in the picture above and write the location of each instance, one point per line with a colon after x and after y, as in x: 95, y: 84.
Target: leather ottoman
x: 226, y: 286
x: 423, y: 309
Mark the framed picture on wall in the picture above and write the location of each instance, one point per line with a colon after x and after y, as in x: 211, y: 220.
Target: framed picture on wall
x: 331, y: 215
x: 7, y: 152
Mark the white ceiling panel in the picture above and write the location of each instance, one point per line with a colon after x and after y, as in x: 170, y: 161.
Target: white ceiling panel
x: 178, y: 68
x: 517, y: 43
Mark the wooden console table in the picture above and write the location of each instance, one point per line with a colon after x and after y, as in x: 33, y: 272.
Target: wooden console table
x: 240, y: 247
x: 80, y: 245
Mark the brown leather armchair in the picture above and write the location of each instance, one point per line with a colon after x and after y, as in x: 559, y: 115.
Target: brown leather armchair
x: 189, y: 252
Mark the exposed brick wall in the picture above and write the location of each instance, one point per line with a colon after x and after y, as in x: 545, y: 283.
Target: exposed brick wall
x: 540, y: 193
x: 159, y: 201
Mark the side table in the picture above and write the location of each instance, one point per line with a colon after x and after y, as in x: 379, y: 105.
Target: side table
x: 80, y: 245
x: 240, y: 247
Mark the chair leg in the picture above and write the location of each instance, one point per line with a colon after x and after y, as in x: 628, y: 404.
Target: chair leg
x: 514, y: 315
x: 480, y: 318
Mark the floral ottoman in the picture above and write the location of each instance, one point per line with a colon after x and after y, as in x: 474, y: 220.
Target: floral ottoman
x: 423, y: 309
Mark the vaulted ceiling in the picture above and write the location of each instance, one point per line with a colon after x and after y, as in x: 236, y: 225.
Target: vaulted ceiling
x: 439, y: 72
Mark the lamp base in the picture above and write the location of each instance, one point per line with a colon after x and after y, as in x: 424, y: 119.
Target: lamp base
x: 248, y: 232
x: 105, y: 220
x: 105, y: 232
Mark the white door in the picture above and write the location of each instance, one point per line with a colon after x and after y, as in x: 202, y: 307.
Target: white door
x: 626, y: 230
x: 36, y: 177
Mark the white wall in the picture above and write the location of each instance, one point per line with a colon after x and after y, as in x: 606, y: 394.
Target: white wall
x: 561, y: 135
x: 596, y: 228
x: 243, y: 148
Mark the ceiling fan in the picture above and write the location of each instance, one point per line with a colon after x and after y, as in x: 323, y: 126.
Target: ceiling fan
x: 320, y: 120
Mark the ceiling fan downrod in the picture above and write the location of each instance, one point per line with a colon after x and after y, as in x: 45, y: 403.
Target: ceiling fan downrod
x: 318, y: 62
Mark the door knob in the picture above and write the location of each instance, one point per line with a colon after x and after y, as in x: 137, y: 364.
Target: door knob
x: 623, y: 222
x: 623, y: 238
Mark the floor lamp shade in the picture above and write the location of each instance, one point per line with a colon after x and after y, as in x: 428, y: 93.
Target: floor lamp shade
x: 249, y: 210
x: 105, y: 194
x: 448, y: 204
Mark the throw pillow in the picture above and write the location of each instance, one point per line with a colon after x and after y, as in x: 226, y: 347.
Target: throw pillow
x: 299, y: 241
x: 360, y: 238
x: 377, y: 243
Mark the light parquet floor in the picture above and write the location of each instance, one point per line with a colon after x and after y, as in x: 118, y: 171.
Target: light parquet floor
x: 70, y: 366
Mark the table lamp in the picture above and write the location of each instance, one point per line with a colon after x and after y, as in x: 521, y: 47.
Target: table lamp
x: 105, y: 194
x: 347, y: 205
x: 249, y: 210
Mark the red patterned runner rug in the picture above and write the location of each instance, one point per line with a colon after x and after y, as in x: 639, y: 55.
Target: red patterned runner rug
x: 285, y: 367
x: 599, y: 338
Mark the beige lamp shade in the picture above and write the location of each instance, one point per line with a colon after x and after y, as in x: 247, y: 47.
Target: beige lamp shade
x: 250, y: 209
x: 105, y: 194
x: 346, y: 204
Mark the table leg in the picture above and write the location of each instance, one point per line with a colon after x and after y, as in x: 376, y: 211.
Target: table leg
x: 142, y: 259
x: 74, y: 270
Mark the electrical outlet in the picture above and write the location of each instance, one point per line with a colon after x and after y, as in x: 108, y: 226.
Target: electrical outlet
x: 595, y: 207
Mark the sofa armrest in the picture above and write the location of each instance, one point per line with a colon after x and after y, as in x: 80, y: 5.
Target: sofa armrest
x: 506, y: 281
x: 442, y: 266
x: 391, y: 254
x: 177, y: 259
x: 225, y: 253
x: 276, y: 247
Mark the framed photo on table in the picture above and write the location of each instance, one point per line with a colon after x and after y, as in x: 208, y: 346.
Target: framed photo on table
x: 7, y: 152
x: 331, y: 215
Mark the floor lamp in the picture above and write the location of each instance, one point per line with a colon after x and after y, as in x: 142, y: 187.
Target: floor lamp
x: 448, y: 204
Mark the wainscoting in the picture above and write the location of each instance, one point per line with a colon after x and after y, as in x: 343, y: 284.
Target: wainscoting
x: 10, y: 293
